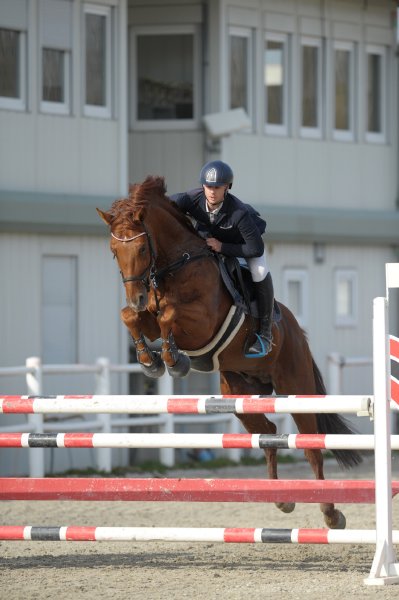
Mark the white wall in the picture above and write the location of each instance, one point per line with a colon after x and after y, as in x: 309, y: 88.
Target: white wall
x: 65, y: 153
x: 100, y: 297
x: 307, y: 173
x: 177, y: 156
x: 324, y: 336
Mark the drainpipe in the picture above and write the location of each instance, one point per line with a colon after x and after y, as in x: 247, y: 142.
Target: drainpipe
x: 122, y: 100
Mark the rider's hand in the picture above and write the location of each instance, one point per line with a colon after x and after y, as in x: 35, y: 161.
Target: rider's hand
x: 215, y: 244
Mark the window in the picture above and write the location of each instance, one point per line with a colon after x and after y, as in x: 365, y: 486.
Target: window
x: 345, y: 297
x: 311, y: 87
x: 276, y: 83
x: 12, y: 69
x: 295, y: 293
x: 376, y: 82
x: 97, y: 61
x: 55, y: 81
x: 55, y: 39
x: 166, y: 75
x: 241, y: 64
x: 343, y: 91
x: 59, y: 309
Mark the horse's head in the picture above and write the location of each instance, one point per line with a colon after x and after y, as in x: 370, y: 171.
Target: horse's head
x: 146, y: 226
x: 132, y: 247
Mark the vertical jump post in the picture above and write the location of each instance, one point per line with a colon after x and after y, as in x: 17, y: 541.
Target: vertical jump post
x: 385, y: 567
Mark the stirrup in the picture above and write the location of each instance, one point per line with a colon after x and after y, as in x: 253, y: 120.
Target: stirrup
x: 264, y: 349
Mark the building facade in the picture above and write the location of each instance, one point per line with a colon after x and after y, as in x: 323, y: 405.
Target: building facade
x: 94, y: 95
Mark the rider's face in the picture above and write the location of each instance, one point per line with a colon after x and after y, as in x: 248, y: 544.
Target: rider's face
x: 215, y: 195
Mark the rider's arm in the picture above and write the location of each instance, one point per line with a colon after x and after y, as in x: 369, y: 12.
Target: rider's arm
x: 252, y: 245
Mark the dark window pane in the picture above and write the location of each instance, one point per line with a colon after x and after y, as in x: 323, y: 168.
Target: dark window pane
x: 96, y: 74
x: 310, y: 57
x: 165, y: 77
x: 9, y: 63
x: 53, y: 75
x: 342, y: 90
x: 374, y: 124
x: 238, y: 72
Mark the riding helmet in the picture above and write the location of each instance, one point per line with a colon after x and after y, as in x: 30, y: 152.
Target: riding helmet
x: 216, y: 173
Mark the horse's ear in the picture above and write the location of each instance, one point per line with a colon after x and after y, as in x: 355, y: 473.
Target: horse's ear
x: 106, y: 217
x: 139, y: 214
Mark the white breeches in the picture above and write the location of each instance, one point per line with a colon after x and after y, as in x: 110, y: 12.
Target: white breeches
x: 258, y: 267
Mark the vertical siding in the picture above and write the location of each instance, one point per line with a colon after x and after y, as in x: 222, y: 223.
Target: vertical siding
x: 177, y: 156
x: 99, y: 302
x: 293, y: 172
x: 324, y: 335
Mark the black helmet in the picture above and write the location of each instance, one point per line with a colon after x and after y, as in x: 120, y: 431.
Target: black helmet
x: 216, y: 173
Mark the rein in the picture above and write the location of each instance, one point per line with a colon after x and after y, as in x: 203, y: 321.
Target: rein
x: 157, y: 276
x: 150, y: 275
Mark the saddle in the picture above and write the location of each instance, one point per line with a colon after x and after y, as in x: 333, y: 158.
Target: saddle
x: 238, y: 281
x: 237, y: 278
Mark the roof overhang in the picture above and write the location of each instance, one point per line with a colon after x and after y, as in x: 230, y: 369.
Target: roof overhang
x: 34, y: 212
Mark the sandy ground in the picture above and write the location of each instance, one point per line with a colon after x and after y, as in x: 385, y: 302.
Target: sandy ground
x: 155, y: 570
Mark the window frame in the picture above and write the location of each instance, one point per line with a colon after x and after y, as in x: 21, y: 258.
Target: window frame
x: 346, y: 135
x: 19, y: 103
x: 370, y: 136
x: 271, y: 128
x: 347, y: 275
x: 301, y: 276
x: 312, y: 132
x: 59, y: 108
x: 90, y: 110
x: 163, y: 124
x: 247, y: 33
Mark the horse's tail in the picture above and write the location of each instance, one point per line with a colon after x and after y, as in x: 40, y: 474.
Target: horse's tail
x: 333, y: 423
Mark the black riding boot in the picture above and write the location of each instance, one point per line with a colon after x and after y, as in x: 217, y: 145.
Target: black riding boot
x: 265, y: 299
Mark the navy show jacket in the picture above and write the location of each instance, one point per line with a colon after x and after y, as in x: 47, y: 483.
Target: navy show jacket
x: 237, y: 225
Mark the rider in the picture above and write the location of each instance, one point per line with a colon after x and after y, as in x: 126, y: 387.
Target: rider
x: 233, y: 229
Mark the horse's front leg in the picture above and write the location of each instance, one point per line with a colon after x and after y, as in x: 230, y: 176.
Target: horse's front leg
x: 177, y: 362
x: 139, y: 324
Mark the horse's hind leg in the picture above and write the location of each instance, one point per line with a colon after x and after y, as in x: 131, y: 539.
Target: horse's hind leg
x: 261, y: 424
x: 333, y: 517
x: 233, y: 383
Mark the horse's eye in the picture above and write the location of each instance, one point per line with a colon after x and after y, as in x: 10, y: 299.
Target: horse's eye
x: 142, y: 250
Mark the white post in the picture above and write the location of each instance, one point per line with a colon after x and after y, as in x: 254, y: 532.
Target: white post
x: 385, y: 569
x: 165, y: 387
x: 103, y: 387
x: 34, y: 384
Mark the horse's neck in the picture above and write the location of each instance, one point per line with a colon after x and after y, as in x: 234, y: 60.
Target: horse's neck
x: 173, y: 237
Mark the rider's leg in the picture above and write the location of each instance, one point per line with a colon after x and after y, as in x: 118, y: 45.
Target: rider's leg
x: 265, y: 300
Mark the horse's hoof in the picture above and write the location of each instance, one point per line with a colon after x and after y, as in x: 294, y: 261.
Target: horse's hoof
x: 286, y: 507
x: 156, y: 368
x: 181, y: 366
x: 338, y: 521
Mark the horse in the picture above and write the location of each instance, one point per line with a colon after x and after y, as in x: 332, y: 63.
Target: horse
x: 175, y: 292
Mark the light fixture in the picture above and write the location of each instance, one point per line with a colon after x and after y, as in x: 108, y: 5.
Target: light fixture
x: 319, y: 252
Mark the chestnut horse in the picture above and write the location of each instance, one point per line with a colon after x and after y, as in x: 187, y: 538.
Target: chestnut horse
x: 174, y: 291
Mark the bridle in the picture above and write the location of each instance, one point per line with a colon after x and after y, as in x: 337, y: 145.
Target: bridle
x: 150, y: 276
x: 145, y: 276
